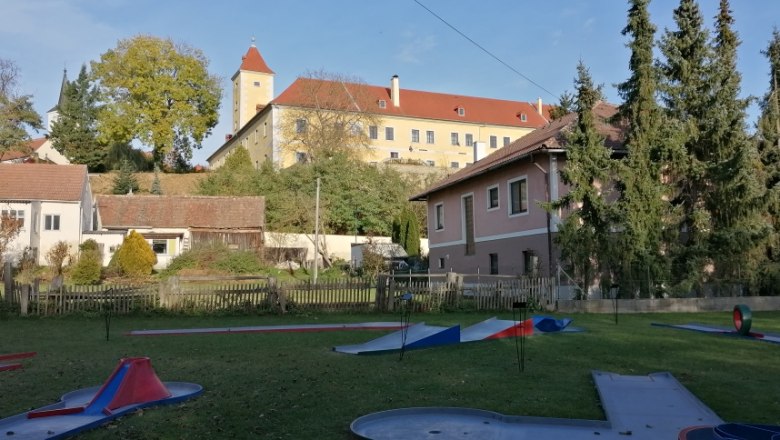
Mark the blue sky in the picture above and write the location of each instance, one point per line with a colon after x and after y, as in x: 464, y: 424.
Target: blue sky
x: 371, y: 40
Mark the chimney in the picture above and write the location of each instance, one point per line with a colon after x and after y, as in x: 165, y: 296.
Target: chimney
x: 479, y: 151
x: 539, y: 106
x: 395, y: 91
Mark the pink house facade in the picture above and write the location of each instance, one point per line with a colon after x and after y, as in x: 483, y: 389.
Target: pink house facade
x: 489, y: 218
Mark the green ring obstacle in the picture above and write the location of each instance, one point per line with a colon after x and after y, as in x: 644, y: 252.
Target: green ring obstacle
x: 743, y: 318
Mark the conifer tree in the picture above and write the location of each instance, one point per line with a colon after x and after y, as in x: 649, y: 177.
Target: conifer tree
x: 768, y: 133
x: 74, y: 134
x: 125, y: 182
x: 156, y: 187
x: 735, y: 194
x: 585, y: 235
x: 642, y: 205
x: 686, y: 93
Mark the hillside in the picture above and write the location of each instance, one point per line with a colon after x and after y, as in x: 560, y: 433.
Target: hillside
x: 172, y: 184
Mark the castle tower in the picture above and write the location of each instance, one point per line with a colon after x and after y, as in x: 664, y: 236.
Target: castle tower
x: 253, y: 87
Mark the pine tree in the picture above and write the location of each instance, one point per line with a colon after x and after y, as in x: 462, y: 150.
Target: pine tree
x: 585, y: 234
x: 125, y: 182
x: 74, y: 134
x: 686, y: 92
x: 768, y: 134
x: 156, y: 187
x: 735, y: 194
x: 410, y: 233
x: 642, y: 205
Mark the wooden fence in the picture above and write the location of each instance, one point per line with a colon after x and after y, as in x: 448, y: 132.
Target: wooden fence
x: 265, y: 294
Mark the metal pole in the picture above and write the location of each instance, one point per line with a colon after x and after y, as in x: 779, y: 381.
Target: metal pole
x: 316, y: 232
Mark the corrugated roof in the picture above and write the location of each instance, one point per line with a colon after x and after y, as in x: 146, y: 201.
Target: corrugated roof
x: 214, y: 212
x: 35, y: 181
x: 550, y: 137
x: 415, y: 103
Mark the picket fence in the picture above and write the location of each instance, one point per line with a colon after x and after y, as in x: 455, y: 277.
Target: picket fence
x: 259, y: 294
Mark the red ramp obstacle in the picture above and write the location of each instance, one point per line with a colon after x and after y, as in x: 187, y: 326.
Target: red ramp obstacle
x: 6, y: 366
x: 132, y: 385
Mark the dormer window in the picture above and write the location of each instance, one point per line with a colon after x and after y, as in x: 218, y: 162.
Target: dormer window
x: 382, y: 103
x: 523, y: 117
x: 461, y: 111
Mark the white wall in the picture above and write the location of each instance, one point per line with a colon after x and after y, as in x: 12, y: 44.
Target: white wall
x: 339, y: 246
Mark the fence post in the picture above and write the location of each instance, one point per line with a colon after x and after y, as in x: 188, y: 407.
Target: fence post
x: 390, y: 294
x: 9, y: 282
x: 381, y: 291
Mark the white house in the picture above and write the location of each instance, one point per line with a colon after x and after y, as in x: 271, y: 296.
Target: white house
x: 52, y: 202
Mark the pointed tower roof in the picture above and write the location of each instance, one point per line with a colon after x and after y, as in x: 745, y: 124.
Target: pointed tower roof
x: 253, y: 61
x: 62, y: 91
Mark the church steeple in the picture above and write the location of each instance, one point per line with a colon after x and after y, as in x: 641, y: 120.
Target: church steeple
x: 54, y: 113
x: 253, y: 87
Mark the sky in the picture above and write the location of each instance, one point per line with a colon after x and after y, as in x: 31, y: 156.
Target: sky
x: 369, y: 40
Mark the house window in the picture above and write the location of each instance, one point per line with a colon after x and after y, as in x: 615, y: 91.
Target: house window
x: 415, y: 135
x: 265, y: 129
x: 441, y: 262
x: 51, y: 222
x: 493, y: 264
x: 300, y: 157
x: 454, y: 165
x: 429, y: 137
x: 389, y: 133
x: 394, y: 155
x: 454, y: 139
x: 530, y: 262
x: 468, y: 223
x: 256, y: 83
x: 518, y: 196
x: 493, y: 142
x: 507, y: 140
x: 257, y: 136
x: 430, y: 163
x: 492, y: 197
x: 382, y: 103
x: 373, y: 132
x: 523, y: 117
x: 300, y: 125
x: 461, y: 111
x: 13, y: 214
x: 469, y: 140
x: 160, y: 247
x: 439, y: 216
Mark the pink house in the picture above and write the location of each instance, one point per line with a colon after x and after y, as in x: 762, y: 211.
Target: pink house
x: 487, y: 218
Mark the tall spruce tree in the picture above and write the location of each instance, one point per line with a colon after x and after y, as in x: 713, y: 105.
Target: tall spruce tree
x: 686, y: 92
x: 642, y: 205
x: 74, y: 134
x: 585, y: 235
x: 735, y: 194
x: 768, y: 134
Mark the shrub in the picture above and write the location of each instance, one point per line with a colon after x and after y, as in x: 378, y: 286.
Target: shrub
x: 239, y: 262
x: 135, y: 257
x: 57, y: 255
x: 87, y: 268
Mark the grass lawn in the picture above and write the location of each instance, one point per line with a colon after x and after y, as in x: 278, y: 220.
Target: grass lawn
x: 292, y: 386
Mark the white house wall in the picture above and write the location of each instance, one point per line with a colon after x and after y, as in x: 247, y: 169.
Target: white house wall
x: 71, y: 227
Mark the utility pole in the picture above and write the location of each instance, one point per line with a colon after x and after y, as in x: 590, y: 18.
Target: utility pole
x: 316, y: 232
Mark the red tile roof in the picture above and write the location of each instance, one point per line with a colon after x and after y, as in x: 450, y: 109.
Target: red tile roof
x: 550, y: 137
x: 213, y: 212
x: 414, y: 103
x: 32, y: 145
x: 254, y: 62
x: 35, y: 181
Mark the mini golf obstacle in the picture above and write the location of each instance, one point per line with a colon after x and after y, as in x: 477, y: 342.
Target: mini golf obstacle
x: 132, y: 385
x: 743, y: 320
x: 649, y: 407
x: 423, y: 336
x: 7, y: 366
x: 731, y: 431
x: 271, y: 329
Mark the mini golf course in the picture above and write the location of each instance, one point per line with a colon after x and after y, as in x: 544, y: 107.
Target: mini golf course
x: 743, y: 320
x: 425, y: 336
x: 131, y: 386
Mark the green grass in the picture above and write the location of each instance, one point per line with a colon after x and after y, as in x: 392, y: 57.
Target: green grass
x: 292, y: 386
